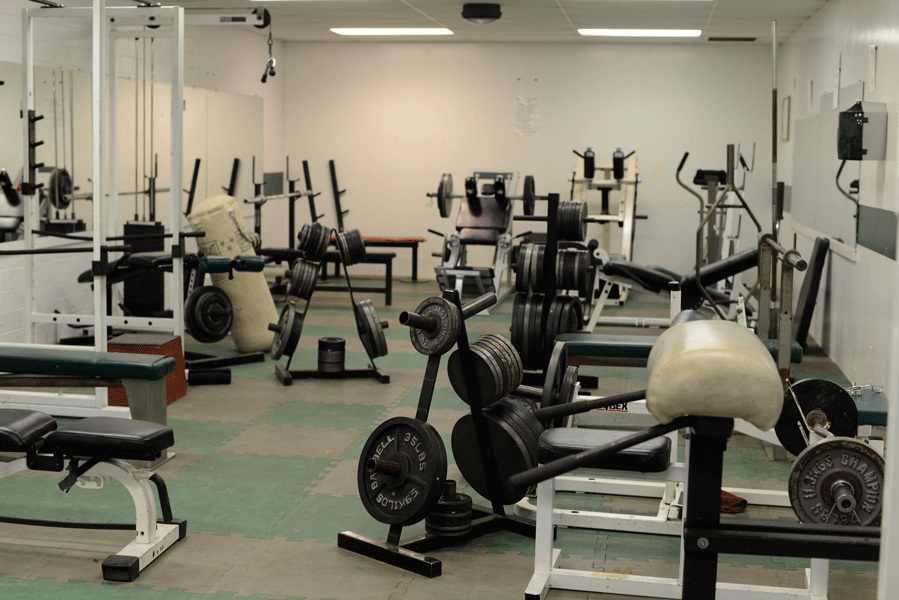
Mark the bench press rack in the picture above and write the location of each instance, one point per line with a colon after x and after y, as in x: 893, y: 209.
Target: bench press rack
x: 409, y: 554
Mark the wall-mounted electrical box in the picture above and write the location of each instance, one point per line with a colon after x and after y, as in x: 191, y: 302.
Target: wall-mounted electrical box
x: 862, y: 132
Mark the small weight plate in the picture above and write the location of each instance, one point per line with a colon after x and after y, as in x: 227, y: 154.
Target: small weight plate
x: 289, y: 335
x: 406, y: 498
x: 821, y: 400
x: 371, y: 333
x: 451, y: 517
x: 303, y: 238
x: 445, y: 336
x: 509, y: 451
x: 445, y: 195
x: 530, y: 195
x: 838, y: 481
x: 516, y: 331
x: 213, y: 314
x: 309, y: 281
x: 59, y: 188
x: 555, y: 373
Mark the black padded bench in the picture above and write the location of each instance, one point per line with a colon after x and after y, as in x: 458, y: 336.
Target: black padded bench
x: 142, y: 375
x: 98, y: 447
x: 378, y: 258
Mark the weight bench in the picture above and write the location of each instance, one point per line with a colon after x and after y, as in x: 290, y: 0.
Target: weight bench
x: 378, y: 258
x: 709, y: 368
x: 142, y: 376
x: 398, y: 242
x: 93, y: 451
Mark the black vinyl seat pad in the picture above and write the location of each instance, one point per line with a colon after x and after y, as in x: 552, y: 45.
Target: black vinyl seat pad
x: 110, y: 437
x: 647, y: 457
x: 20, y: 428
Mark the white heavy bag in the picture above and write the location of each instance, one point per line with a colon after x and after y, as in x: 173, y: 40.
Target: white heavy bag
x: 222, y: 221
x: 713, y: 369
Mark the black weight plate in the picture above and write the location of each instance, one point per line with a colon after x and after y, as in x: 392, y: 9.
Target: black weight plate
x: 487, y: 384
x: 450, y: 517
x: 407, y: 498
x: 516, y: 331
x: 343, y: 249
x: 311, y: 277
x: 555, y: 372
x: 355, y: 247
x: 509, y: 356
x: 189, y: 315
x: 834, y: 403
x: 526, y: 415
x: 445, y: 336
x: 371, y: 333
x: 320, y: 237
x: 213, y: 314
x: 509, y: 451
x: 59, y: 188
x: 303, y: 238
x: 502, y: 411
x: 522, y: 273
x: 566, y: 392
x: 495, y: 391
x: 445, y: 195
x: 530, y: 195
x: 536, y: 269
x: 290, y: 328
x: 527, y: 340
x: 535, y: 332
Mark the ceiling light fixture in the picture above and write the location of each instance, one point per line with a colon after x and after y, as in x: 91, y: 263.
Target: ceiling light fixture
x: 391, y: 31
x: 481, y: 13
x: 641, y: 32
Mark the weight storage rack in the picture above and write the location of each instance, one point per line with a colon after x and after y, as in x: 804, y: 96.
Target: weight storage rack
x: 369, y: 327
x: 409, y: 554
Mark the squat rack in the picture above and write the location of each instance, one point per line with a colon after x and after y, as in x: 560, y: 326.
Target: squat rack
x: 107, y: 24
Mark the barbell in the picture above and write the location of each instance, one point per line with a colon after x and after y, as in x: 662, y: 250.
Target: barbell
x: 445, y: 196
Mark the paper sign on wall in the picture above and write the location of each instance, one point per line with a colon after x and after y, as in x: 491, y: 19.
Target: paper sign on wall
x: 527, y: 115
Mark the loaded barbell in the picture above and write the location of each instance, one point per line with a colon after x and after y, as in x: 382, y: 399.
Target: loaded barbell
x: 445, y: 196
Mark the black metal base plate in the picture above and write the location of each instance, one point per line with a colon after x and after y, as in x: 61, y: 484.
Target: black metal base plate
x: 286, y: 376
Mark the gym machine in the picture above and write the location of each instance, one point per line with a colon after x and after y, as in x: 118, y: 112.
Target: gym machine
x: 621, y: 176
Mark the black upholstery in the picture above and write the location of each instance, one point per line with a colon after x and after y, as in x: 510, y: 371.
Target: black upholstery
x: 808, y: 293
x: 19, y: 428
x: 691, y: 297
x: 482, y: 220
x: 111, y: 438
x: 650, y: 279
x: 647, y: 457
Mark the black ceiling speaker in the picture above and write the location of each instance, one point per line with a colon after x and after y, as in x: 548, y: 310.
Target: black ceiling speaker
x: 481, y: 13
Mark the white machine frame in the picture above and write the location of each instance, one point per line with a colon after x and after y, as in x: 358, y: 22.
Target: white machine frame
x: 107, y: 24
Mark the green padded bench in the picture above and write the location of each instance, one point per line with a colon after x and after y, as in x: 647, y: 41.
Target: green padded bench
x: 93, y: 449
x: 142, y: 375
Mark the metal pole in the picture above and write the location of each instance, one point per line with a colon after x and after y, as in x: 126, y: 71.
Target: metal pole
x: 176, y: 296
x: 32, y: 203
x: 775, y: 228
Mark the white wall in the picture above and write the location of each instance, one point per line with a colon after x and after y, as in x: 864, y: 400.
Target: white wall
x: 855, y: 318
x: 396, y: 116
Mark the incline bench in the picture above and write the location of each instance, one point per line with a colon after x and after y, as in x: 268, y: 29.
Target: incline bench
x: 96, y: 448
x: 142, y: 375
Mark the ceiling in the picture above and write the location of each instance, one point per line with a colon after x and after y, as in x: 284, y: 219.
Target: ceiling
x: 529, y: 20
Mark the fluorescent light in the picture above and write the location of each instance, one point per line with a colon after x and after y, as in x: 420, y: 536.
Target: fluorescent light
x: 642, y: 32
x: 391, y: 31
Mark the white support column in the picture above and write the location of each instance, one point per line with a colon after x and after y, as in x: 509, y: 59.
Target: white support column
x: 176, y: 289
x: 32, y: 203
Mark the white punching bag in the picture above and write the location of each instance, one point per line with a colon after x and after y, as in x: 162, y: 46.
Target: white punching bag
x: 222, y: 221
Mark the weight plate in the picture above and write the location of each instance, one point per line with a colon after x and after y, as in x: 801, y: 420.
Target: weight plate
x: 486, y: 378
x: 526, y: 412
x: 303, y: 238
x: 288, y: 332
x: 566, y: 391
x: 511, y: 456
x: 522, y: 273
x: 445, y: 195
x: 319, y: 238
x: 451, y: 517
x: 510, y: 358
x: 822, y: 402
x: 303, y: 277
x: 355, y: 247
x: 213, y: 315
x: 59, y: 189
x: 444, y: 337
x: 343, y: 249
x: 530, y: 196
x: 495, y: 391
x: 536, y: 270
x: 404, y: 498
x: 189, y: 315
x: 535, y: 332
x: 572, y: 221
x: 371, y: 332
x: 502, y: 411
x: 838, y: 481
x: 555, y: 373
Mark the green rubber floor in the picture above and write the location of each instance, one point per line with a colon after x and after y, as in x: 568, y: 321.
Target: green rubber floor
x: 266, y: 477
